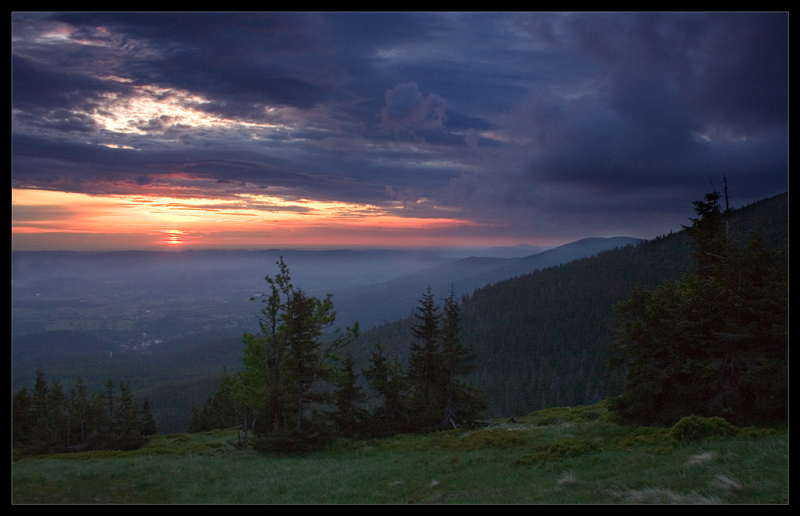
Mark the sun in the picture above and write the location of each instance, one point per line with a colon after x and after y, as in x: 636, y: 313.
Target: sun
x: 174, y: 237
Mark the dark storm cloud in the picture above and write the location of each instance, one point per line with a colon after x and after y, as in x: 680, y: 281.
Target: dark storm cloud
x: 242, y: 61
x: 672, y: 100
x: 512, y: 118
x: 56, y: 99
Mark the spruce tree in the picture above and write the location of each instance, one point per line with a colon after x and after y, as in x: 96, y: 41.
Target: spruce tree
x: 286, y: 365
x: 387, y: 379
x: 462, y: 402
x: 714, y: 343
x: 425, y: 367
x: 126, y: 424
x: 349, y: 416
x: 23, y: 419
x: 438, y: 362
x: 80, y: 408
x: 148, y: 421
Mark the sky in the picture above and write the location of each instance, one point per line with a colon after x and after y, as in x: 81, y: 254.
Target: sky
x: 258, y: 130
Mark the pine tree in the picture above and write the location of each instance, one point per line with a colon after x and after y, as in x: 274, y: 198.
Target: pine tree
x: 198, y: 420
x: 425, y: 367
x: 438, y: 362
x: 287, y: 363
x: 148, y: 421
x: 49, y: 421
x: 126, y: 425
x: 462, y: 402
x: 57, y: 416
x: 23, y: 419
x: 40, y: 433
x: 387, y: 379
x: 79, y: 409
x: 715, y: 342
x: 349, y: 415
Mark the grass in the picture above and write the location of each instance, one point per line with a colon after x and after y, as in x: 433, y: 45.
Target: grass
x: 553, y: 457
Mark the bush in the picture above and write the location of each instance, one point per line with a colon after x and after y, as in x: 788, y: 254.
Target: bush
x: 552, y: 452
x: 482, y: 439
x: 696, y: 428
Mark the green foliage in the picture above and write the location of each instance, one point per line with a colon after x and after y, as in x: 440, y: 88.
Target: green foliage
x: 439, y: 360
x: 431, y: 393
x: 47, y: 421
x: 221, y: 410
x: 285, y: 384
x: 646, y: 436
x: 713, y: 343
x: 389, y: 382
x: 484, y: 439
x: 556, y: 451
x: 696, y: 428
x: 557, y: 415
x: 350, y: 418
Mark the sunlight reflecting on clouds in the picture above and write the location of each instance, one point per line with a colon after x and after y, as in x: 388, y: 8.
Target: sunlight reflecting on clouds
x: 154, y: 109
x: 250, y: 219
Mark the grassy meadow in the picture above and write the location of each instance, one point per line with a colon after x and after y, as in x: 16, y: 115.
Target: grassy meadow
x: 556, y: 456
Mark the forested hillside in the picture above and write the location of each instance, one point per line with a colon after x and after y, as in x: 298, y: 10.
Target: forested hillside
x: 542, y: 339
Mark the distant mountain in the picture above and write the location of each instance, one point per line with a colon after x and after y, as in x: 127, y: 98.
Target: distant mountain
x: 517, y: 251
x: 395, y: 299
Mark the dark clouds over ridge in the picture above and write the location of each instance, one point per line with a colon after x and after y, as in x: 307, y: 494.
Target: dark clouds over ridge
x: 540, y: 125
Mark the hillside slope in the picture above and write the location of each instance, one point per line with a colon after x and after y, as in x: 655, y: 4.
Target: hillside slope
x: 542, y: 338
x: 395, y: 299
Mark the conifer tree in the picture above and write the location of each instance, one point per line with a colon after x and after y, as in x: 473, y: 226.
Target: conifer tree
x: 79, y: 404
x: 126, y: 425
x: 462, y: 402
x: 57, y: 416
x: 713, y: 343
x: 286, y: 363
x: 49, y: 421
x: 425, y: 367
x: 22, y: 417
x: 40, y: 433
x: 349, y: 415
x: 438, y: 362
x: 387, y: 379
x: 148, y: 421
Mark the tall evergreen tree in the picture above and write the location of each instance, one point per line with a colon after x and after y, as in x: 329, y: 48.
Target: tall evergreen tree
x: 350, y: 417
x: 148, y: 421
x: 462, y: 403
x: 425, y: 367
x: 439, y: 359
x: 80, y: 408
x: 387, y: 379
x: 126, y: 425
x: 57, y: 415
x: 714, y: 343
x: 23, y: 418
x: 287, y: 363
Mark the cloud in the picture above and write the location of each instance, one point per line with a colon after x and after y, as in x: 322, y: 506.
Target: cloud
x: 407, y: 108
x: 528, y: 120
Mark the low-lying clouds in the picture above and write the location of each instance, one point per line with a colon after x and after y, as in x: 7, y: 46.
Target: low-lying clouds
x: 531, y: 128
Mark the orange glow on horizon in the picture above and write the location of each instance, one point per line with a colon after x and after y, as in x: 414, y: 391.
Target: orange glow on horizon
x: 244, y: 220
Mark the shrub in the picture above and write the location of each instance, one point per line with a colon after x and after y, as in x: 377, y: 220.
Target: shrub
x: 482, y: 439
x: 551, y: 452
x: 696, y: 428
